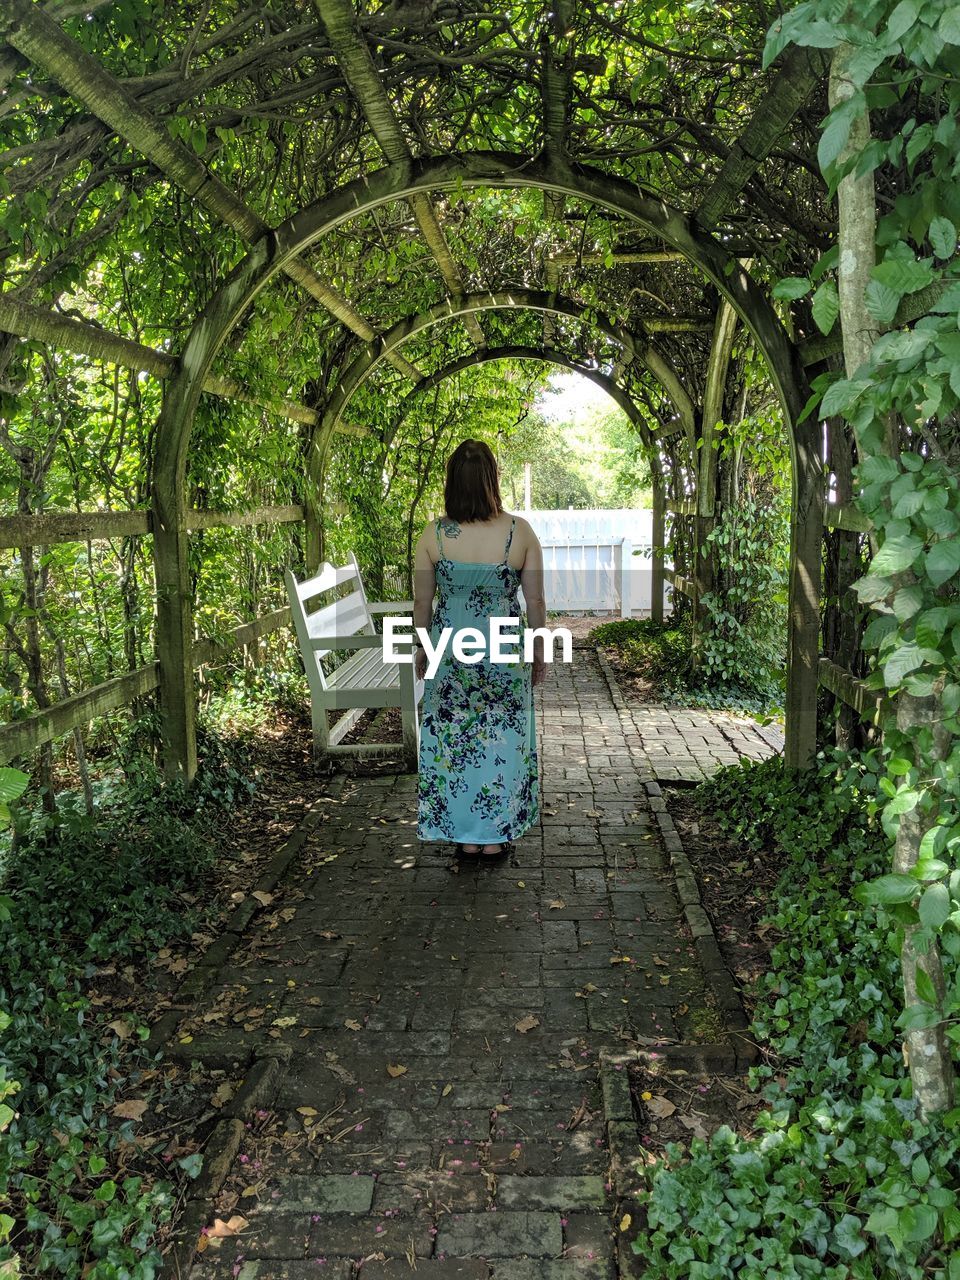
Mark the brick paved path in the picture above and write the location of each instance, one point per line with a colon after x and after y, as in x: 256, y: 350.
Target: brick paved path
x: 441, y: 1104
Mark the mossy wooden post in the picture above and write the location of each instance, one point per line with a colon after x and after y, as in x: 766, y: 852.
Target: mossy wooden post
x: 174, y: 626
x: 704, y: 566
x: 803, y: 612
x: 657, y: 548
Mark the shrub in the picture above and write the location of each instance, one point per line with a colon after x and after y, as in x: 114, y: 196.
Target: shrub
x: 79, y: 895
x: 845, y: 1181
x: 661, y: 654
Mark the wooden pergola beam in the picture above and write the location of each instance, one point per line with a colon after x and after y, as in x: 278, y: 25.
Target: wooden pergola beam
x: 570, y: 258
x: 66, y: 334
x: 791, y: 86
x: 49, y: 528
x: 35, y: 35
x: 360, y: 72
x: 555, y: 83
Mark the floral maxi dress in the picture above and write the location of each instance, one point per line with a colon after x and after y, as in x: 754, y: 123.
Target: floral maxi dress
x: 478, y: 781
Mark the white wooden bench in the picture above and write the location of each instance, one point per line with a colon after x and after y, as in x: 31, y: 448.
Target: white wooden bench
x: 362, y: 680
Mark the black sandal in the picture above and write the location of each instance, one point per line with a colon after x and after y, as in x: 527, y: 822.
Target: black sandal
x: 504, y: 851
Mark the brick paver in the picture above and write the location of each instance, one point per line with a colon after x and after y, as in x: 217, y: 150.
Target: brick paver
x: 440, y: 1105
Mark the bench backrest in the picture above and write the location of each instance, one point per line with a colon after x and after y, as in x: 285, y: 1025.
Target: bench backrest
x: 348, y: 616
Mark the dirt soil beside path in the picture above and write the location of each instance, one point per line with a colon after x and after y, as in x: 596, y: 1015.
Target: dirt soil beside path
x: 736, y: 887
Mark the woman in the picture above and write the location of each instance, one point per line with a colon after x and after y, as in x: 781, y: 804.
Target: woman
x: 478, y: 784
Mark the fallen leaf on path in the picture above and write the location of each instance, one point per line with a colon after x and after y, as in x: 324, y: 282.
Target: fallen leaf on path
x: 132, y: 1110
x: 659, y: 960
x: 625, y: 1222
x: 695, y: 1125
x: 119, y: 1028
x: 557, y: 904
x: 353, y: 1025
x: 284, y: 1022
x: 394, y: 1070
x: 660, y: 1106
x: 262, y: 897
x: 446, y: 1091
x: 527, y: 1024
x: 223, y: 1230
x: 306, y: 1111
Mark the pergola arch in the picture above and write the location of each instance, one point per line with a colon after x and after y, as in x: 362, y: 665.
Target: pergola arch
x: 404, y: 179
x: 545, y: 355
x: 373, y: 354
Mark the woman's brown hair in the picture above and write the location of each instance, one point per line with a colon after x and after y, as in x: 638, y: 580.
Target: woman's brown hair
x: 472, y: 489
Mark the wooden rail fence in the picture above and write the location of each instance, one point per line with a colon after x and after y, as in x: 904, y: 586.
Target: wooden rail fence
x: 20, y: 737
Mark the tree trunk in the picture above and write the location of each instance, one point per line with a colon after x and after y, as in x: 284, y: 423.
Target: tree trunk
x: 931, y: 1068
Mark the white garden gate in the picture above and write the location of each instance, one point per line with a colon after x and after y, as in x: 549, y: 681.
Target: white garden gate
x: 596, y: 561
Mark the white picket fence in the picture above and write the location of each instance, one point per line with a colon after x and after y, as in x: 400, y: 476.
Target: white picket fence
x: 596, y: 561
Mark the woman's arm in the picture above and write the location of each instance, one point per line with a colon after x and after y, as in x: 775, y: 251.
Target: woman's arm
x: 424, y: 589
x: 531, y: 580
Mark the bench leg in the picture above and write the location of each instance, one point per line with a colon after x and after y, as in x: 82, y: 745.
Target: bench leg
x: 321, y: 731
x: 408, y: 714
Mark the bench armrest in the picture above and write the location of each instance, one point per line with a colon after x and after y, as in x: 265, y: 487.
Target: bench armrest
x: 361, y: 641
x: 389, y: 606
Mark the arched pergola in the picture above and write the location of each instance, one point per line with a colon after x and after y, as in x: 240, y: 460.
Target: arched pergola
x: 407, y: 180
x: 620, y: 397
x: 369, y: 357
x: 690, y: 228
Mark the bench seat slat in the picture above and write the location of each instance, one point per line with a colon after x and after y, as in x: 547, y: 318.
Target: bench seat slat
x: 366, y: 667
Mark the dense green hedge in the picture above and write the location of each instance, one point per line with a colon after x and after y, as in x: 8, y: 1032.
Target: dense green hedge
x: 80, y: 894
x: 844, y: 1181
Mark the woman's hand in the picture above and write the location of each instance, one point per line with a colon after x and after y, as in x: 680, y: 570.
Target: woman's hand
x: 420, y: 662
x: 539, y: 671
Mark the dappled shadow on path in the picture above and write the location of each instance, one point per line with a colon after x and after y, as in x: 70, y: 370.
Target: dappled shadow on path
x: 439, y: 1027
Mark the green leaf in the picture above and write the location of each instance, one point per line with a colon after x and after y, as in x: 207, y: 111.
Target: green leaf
x: 792, y: 287
x: 896, y: 555
x: 840, y: 395
x: 935, y: 906
x: 885, y: 889
x: 882, y: 302
x: 925, y: 988
x: 826, y: 306
x: 948, y: 29
x: 903, y: 802
x: 848, y: 1236
x: 834, y: 137
x: 903, y: 275
x: 942, y: 561
x: 901, y: 662
x: 872, y: 589
x: 13, y: 783
x: 930, y: 627
x: 903, y: 18
x: 906, y: 344
x: 942, y: 235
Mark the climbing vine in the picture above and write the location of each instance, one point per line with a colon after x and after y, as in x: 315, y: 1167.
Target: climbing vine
x: 896, y: 123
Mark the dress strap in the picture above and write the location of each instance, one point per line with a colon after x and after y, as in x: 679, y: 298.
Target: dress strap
x: 439, y: 543
x: 506, y: 549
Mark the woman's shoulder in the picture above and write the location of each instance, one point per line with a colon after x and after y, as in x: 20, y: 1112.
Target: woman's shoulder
x: 523, y: 528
